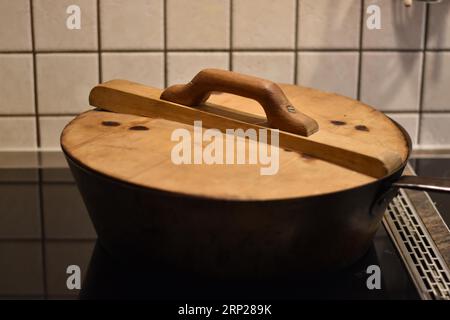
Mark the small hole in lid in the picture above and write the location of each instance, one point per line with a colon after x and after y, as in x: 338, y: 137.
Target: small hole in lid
x: 139, y: 128
x: 111, y: 123
x: 338, y: 122
x: 361, y: 128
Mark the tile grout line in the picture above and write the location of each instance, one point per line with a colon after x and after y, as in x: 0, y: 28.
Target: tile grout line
x: 74, y: 51
x: 38, y: 132
x: 44, y: 115
x: 166, y: 82
x: 422, y: 75
x: 21, y: 115
x: 360, y: 51
x: 99, y: 44
x: 35, y: 84
x: 42, y: 221
x: 41, y: 115
x: 296, y: 34
x: 230, y: 36
x: 54, y: 240
x: 38, y: 138
x: 31, y: 182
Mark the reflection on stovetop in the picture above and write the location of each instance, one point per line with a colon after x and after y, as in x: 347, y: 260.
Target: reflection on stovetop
x: 44, y: 227
x: 109, y: 278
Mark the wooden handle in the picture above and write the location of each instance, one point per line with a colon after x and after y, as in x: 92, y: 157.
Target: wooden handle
x: 132, y: 98
x: 280, y: 112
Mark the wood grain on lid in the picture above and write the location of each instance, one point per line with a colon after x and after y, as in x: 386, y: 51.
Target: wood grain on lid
x: 142, y: 156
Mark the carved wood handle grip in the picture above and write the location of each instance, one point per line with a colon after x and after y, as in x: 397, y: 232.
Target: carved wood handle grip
x: 280, y: 113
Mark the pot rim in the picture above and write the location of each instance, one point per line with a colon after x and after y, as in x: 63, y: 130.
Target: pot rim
x: 128, y: 184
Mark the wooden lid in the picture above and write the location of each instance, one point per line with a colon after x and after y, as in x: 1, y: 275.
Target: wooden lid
x: 137, y: 149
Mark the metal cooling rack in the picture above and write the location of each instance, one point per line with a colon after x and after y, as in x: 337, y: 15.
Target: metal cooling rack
x: 422, y: 258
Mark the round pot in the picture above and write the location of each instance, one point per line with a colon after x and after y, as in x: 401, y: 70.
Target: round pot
x: 203, y: 235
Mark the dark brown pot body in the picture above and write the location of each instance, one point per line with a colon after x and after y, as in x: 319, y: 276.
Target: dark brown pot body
x: 221, y: 238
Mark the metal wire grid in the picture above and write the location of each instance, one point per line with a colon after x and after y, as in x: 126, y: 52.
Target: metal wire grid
x: 421, y: 256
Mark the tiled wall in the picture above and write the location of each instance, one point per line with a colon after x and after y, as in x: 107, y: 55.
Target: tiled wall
x: 47, y: 70
x: 43, y: 235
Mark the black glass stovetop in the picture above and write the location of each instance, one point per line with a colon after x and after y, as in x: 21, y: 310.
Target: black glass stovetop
x: 44, y: 228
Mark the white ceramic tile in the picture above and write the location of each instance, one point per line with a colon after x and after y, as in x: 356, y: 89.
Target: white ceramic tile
x: 63, y: 221
x: 401, y: 27
x: 437, y: 81
x: 51, y: 128
x: 329, y: 71
x: 274, y: 66
x: 390, y: 81
x: 435, y: 130
x: 17, y: 133
x: 264, y: 24
x: 15, y: 26
x: 409, y: 121
x: 50, y: 25
x: 329, y: 24
x: 146, y: 68
x: 183, y: 66
x: 136, y: 25
x: 60, y: 255
x: 65, y: 80
x: 16, y: 84
x: 19, y: 219
x: 438, y: 34
x: 198, y: 24
x: 21, y: 271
